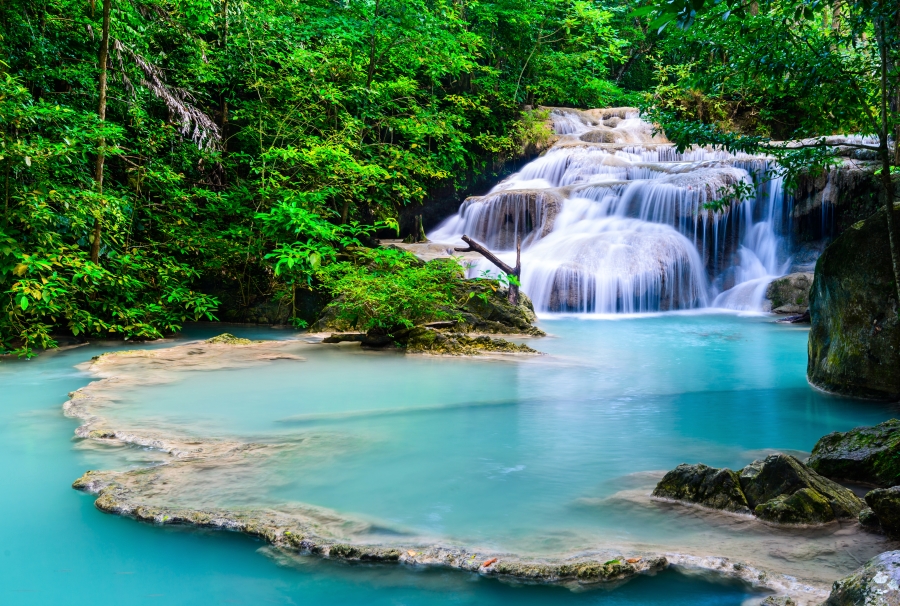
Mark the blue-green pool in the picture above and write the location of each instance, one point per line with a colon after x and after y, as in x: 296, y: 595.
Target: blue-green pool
x: 532, y: 455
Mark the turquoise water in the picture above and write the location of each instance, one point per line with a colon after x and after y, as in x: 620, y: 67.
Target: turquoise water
x: 526, y: 454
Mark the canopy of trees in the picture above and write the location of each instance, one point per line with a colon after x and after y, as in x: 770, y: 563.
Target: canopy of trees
x: 163, y: 159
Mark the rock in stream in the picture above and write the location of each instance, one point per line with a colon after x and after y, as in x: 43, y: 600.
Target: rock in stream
x: 777, y: 489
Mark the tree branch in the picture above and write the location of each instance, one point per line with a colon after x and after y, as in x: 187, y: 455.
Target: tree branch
x: 510, y: 271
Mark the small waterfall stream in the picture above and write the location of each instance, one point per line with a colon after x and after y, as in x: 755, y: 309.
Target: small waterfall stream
x: 612, y: 220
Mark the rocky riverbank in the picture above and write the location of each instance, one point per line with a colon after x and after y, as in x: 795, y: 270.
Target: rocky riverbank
x: 778, y: 489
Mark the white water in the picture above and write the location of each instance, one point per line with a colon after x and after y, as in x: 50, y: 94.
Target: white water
x: 611, y: 220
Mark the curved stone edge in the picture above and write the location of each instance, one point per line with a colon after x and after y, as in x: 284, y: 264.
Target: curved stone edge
x: 294, y: 534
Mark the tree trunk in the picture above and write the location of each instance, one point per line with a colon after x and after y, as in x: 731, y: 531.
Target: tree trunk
x: 370, y: 75
x: 101, y: 111
x: 887, y: 184
x: 420, y: 229
x: 515, y: 272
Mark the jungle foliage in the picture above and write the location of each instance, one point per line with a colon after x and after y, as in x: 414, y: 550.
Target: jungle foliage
x: 167, y: 161
x: 241, y: 146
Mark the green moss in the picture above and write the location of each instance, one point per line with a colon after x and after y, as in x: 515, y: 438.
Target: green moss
x: 805, y: 506
x: 228, y: 339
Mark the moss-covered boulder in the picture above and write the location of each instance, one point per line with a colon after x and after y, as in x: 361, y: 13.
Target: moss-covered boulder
x: 423, y: 339
x: 777, y: 489
x: 780, y: 476
x: 790, y: 294
x: 704, y: 485
x: 806, y: 506
x: 484, y: 308
x: 854, y: 338
x: 885, y: 504
x: 869, y: 455
x: 228, y: 339
x: 868, y: 519
x: 876, y: 583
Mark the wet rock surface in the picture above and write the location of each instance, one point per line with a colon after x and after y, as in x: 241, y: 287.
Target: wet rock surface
x: 790, y: 294
x: 885, y: 506
x: 777, y: 489
x: 869, y: 455
x: 704, y: 485
x: 854, y: 338
x: 876, y: 583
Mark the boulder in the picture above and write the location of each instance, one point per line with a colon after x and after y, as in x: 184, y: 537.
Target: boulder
x: 806, y: 506
x: 777, y: 489
x: 486, y: 309
x: 876, y: 583
x: 790, y: 294
x: 885, y: 504
x: 868, y: 519
x: 870, y: 455
x: 781, y: 476
x: 854, y: 338
x: 704, y: 485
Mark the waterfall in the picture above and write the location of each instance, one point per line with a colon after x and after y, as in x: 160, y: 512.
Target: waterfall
x: 612, y: 220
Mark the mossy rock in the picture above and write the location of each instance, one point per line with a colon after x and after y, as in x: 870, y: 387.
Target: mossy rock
x: 704, y: 485
x: 870, y: 455
x: 876, y: 583
x: 783, y: 475
x: 885, y: 504
x: 868, y: 519
x: 790, y: 294
x: 428, y: 340
x: 777, y: 489
x: 806, y: 506
x: 854, y: 338
x: 228, y: 339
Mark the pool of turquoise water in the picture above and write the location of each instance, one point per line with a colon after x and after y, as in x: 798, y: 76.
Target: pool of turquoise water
x: 525, y: 454
x: 463, y: 447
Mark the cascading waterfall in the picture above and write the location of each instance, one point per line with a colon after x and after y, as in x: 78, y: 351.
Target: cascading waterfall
x: 612, y: 220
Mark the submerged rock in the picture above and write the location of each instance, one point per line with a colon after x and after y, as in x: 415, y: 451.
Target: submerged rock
x: 877, y: 583
x: 885, y: 505
x: 778, y: 600
x: 790, y: 294
x: 870, y: 455
x: 854, y: 338
x: 777, y: 489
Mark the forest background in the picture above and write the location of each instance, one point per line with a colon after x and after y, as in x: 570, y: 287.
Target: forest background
x: 166, y: 161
